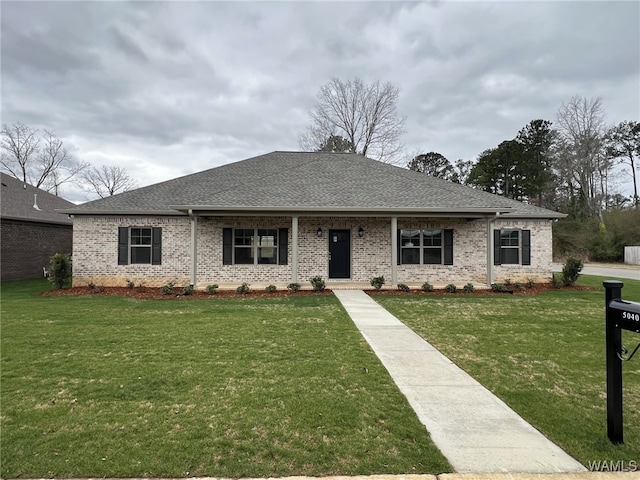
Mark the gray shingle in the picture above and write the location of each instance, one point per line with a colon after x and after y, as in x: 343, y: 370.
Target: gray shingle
x: 17, y: 200
x: 309, y: 181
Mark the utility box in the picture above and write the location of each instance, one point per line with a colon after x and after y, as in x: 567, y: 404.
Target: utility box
x: 632, y: 255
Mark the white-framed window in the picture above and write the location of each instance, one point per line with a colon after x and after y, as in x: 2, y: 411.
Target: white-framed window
x: 255, y: 246
x: 512, y: 246
x: 425, y: 247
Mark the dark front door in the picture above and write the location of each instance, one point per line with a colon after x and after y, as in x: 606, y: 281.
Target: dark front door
x: 339, y: 253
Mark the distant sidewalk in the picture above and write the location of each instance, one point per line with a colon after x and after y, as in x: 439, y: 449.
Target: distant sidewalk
x: 475, y: 430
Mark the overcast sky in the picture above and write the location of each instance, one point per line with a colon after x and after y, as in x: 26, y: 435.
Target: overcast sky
x: 169, y: 88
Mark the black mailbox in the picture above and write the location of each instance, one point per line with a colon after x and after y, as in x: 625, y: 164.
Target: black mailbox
x: 619, y: 315
x: 626, y: 315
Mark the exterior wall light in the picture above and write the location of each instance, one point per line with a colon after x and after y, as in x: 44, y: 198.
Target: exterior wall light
x: 360, y: 232
x: 319, y: 232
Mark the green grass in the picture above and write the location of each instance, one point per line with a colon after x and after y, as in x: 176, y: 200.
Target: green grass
x: 117, y: 387
x: 543, y: 355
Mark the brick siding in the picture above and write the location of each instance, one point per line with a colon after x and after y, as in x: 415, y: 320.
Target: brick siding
x: 96, y: 238
x: 28, y: 246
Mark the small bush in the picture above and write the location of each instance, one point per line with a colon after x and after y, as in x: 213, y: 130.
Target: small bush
x: 188, y: 290
x: 530, y: 283
x: 451, y: 288
x: 317, y: 283
x: 271, y: 288
x: 212, y: 288
x: 571, y: 271
x: 507, y: 282
x: 243, y: 289
x: 518, y: 286
x: 498, y: 287
x: 91, y: 286
x: 377, y: 282
x: 130, y: 284
x: 403, y: 287
x: 427, y: 287
x: 59, y: 270
x: 293, y: 287
x: 167, y: 289
x: 468, y: 288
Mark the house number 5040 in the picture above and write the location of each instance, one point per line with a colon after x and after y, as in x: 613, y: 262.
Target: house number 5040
x: 631, y: 316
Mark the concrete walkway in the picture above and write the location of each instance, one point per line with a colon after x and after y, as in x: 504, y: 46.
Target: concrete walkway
x: 476, y: 431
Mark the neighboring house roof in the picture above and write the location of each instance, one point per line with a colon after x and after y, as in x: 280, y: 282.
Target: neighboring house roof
x: 310, y: 182
x: 18, y: 201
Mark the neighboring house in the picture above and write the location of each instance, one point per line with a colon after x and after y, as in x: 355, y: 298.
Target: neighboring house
x: 287, y: 216
x: 31, y: 230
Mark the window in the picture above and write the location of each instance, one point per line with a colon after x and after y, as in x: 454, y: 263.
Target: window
x: 512, y: 247
x: 425, y: 246
x: 139, y: 245
x: 252, y: 246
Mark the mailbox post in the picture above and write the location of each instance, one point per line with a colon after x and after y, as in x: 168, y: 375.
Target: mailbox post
x: 619, y: 315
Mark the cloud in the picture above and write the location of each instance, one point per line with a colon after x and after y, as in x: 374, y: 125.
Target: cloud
x: 166, y: 88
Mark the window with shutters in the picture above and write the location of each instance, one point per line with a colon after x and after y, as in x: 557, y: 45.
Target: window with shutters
x: 425, y: 246
x: 512, y: 247
x: 139, y: 245
x: 253, y: 246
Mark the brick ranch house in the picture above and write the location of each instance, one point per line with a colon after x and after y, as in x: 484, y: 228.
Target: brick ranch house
x: 288, y: 216
x: 31, y: 229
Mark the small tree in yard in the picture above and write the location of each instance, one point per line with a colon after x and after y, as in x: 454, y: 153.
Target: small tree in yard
x: 571, y: 271
x: 59, y: 269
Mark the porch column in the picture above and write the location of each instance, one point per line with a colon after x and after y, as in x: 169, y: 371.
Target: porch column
x: 294, y: 249
x: 490, y: 247
x: 194, y: 248
x: 394, y: 250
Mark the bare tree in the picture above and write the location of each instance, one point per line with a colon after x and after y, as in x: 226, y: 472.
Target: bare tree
x: 108, y: 180
x: 365, y: 116
x: 39, y: 161
x: 582, y: 165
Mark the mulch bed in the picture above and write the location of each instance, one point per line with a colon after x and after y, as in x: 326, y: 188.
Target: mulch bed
x: 151, y: 293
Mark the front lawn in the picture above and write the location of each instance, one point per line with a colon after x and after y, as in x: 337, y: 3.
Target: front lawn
x: 543, y: 355
x: 119, y: 387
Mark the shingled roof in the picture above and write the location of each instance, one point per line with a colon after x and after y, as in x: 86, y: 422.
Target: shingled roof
x: 309, y: 182
x: 18, y: 201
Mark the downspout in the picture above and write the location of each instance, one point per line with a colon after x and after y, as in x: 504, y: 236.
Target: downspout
x: 394, y: 251
x: 490, y: 222
x: 194, y: 248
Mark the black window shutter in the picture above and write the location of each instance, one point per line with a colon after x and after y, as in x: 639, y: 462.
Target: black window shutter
x: 448, y: 247
x: 123, y: 245
x: 526, y: 247
x: 283, y: 246
x: 156, y: 246
x: 399, y: 259
x: 227, y: 246
x: 497, y: 258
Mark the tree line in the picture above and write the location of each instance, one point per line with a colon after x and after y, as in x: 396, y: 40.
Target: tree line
x: 41, y: 159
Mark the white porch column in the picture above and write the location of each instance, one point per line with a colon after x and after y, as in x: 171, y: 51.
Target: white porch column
x: 294, y: 249
x: 194, y: 249
x: 490, y: 222
x: 394, y: 250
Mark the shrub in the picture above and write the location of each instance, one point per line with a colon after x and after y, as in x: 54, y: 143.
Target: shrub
x: 403, y: 287
x: 377, y: 282
x: 317, y: 283
x: 59, y: 270
x: 130, y: 284
x: 518, y: 286
x: 427, y: 287
x: 271, y: 288
x: 498, y: 287
x: 571, y: 271
x: 468, y: 288
x: 451, y: 288
x: 91, y: 285
x: 243, y: 289
x: 212, y: 288
x: 188, y: 290
x: 293, y: 287
x: 507, y: 282
x: 167, y: 289
x: 530, y: 283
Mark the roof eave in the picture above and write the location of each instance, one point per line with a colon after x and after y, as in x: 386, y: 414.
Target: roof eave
x: 79, y: 212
